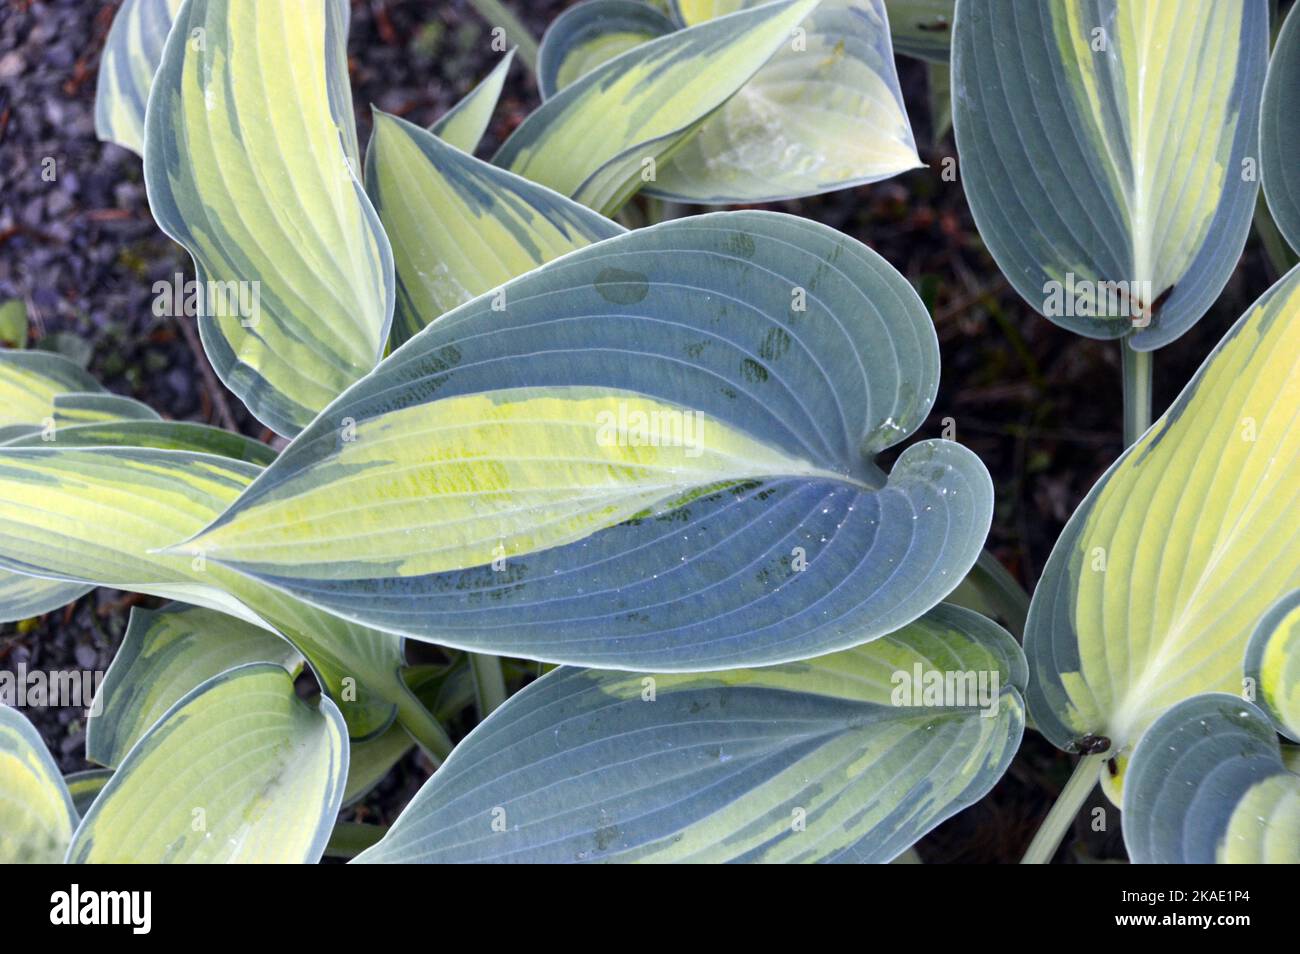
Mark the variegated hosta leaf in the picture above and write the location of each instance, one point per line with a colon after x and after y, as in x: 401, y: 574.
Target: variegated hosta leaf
x: 824, y: 760
x: 1161, y: 575
x: 591, y: 33
x: 240, y: 770
x: 103, y: 516
x: 164, y: 655
x: 163, y: 435
x: 97, y: 408
x: 31, y: 380
x: 607, y: 134
x: 1108, y: 150
x: 126, y: 69
x: 824, y: 113
x: 1273, y: 664
x: 1279, y: 131
x: 658, y: 454
x: 36, y: 813
x: 461, y: 227
x: 84, y: 787
x: 30, y: 384
x: 252, y: 166
x: 466, y: 122
x: 1208, y: 785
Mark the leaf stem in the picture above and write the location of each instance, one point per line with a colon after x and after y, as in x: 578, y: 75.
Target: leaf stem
x: 1137, y: 391
x: 349, y: 839
x: 499, y: 15
x: 489, y: 683
x: 422, y: 726
x: 1066, y: 808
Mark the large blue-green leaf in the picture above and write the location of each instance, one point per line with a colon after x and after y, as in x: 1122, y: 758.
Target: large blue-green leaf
x: 1161, y: 576
x: 1279, y: 131
x: 1107, y: 149
x: 1208, y: 784
x: 659, y: 455
x: 823, y: 760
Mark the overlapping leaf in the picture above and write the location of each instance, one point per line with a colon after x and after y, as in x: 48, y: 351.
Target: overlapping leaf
x: 1273, y: 664
x: 252, y: 165
x: 131, y: 55
x: 591, y: 33
x: 164, y: 655
x: 603, y: 137
x: 1108, y: 153
x: 658, y: 455
x: 824, y: 113
x: 36, y: 812
x: 162, y: 435
x: 239, y: 770
x: 101, y: 516
x: 84, y: 787
x: 460, y: 227
x: 1208, y: 785
x: 1164, y: 571
x: 1279, y: 131
x: 824, y: 760
x: 464, y: 124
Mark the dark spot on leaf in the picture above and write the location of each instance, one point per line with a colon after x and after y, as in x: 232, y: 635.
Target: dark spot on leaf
x: 620, y: 286
x: 775, y: 343
x: 738, y: 243
x: 752, y: 371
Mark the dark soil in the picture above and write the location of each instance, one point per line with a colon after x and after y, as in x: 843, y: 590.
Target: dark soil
x: 1040, y: 405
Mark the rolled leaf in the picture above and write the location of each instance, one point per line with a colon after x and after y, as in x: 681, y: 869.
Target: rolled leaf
x: 1273, y: 665
x: 1162, y: 574
x: 1208, y: 785
x: 1108, y: 153
x: 466, y: 122
x: 102, y: 516
x: 679, y: 476
x: 603, y: 137
x: 1279, y: 131
x: 461, y: 227
x: 164, y: 655
x: 591, y: 33
x: 831, y: 759
x: 825, y: 113
x: 257, y: 178
x: 36, y: 812
x: 131, y: 55
x: 240, y: 770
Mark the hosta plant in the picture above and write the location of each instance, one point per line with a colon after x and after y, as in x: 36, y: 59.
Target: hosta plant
x: 658, y: 472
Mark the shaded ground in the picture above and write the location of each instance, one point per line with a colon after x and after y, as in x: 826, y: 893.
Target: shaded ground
x: 1039, y: 405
